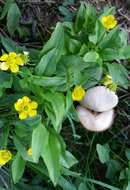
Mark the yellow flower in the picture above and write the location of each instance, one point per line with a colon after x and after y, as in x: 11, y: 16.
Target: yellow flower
x: 5, y: 156
x: 12, y: 61
x: 78, y: 93
x: 109, y: 21
x: 29, y: 151
x: 26, y: 107
x: 107, y: 81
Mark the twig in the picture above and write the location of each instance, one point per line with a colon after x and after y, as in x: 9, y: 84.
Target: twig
x: 125, y: 16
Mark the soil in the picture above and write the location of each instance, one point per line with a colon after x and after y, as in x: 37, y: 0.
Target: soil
x: 43, y: 14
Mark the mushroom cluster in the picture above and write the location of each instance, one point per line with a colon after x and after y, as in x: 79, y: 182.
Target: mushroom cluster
x: 96, y: 110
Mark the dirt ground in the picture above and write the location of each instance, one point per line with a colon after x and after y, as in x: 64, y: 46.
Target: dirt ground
x: 43, y: 14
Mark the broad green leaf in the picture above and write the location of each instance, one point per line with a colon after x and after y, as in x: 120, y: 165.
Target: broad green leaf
x: 113, y: 167
x: 48, y: 62
x: 66, y: 184
x: 56, y: 40
x: 91, y: 57
x: 109, y: 54
x: 111, y: 40
x: 39, y: 141
x: 90, y: 18
x: 5, y: 80
x: 73, y: 46
x: 80, y: 18
x: 124, y: 38
x: 10, y: 45
x: 21, y: 149
x: 6, y: 8
x: 18, y: 167
x: 103, y: 153
x: 68, y: 160
x: 51, y: 156
x: 13, y: 18
x: 47, y: 81
x: 55, y: 108
x: 98, y: 33
x: 119, y: 74
x: 125, y: 52
x: 109, y: 10
x: 82, y: 186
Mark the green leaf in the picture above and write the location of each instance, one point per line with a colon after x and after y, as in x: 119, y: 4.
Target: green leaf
x: 103, y: 153
x: 113, y: 167
x: 10, y: 45
x: 98, y: 33
x: 21, y: 149
x: 56, y: 40
x: 47, y: 81
x: 68, y: 160
x: 90, y: 18
x: 66, y: 184
x: 13, y: 18
x: 125, y: 52
x: 51, y: 156
x: 55, y: 108
x: 109, y: 54
x: 39, y: 141
x: 111, y: 40
x: 4, y: 136
x: 82, y: 186
x: 127, y: 153
x: 18, y: 167
x: 5, y: 80
x: 91, y: 57
x: 80, y: 18
x: 6, y: 8
x: 48, y: 62
x: 119, y: 74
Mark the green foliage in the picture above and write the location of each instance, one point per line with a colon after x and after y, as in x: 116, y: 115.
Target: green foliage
x: 79, y: 52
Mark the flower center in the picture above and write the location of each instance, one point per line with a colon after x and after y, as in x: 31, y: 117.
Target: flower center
x: 25, y: 108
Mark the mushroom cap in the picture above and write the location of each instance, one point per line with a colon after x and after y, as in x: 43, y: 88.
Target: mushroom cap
x: 95, y: 122
x: 99, y: 99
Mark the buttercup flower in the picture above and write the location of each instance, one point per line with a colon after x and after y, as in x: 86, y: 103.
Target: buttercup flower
x: 13, y: 61
x: 29, y: 151
x: 109, y: 22
x: 107, y: 81
x: 5, y: 156
x: 78, y: 93
x: 26, y: 107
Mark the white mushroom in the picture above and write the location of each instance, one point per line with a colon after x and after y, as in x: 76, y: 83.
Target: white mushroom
x: 95, y: 122
x: 100, y: 99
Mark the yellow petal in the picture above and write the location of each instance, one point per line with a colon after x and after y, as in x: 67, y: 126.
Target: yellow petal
x: 29, y: 151
x: 26, y: 100
x: 4, y: 66
x: 14, y: 68
x: 4, y: 57
x: 23, y: 115
x: 5, y: 156
x: 32, y: 113
x: 109, y: 22
x: 19, y: 61
x: 33, y: 105
x: 78, y: 93
x: 12, y: 55
x: 19, y: 105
